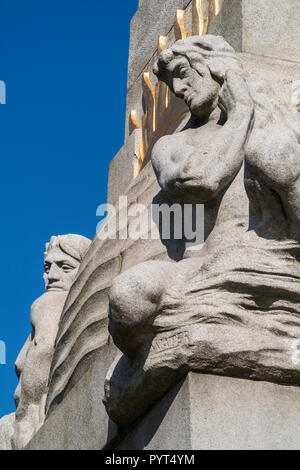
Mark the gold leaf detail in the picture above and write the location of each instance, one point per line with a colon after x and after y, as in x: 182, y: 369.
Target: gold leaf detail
x: 161, y: 46
x: 133, y: 123
x: 200, y: 22
x: 179, y: 28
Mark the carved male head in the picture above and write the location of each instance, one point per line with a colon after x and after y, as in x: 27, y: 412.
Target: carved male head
x: 63, y: 256
x: 194, y: 68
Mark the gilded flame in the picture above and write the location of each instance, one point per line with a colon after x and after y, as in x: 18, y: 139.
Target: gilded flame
x: 217, y: 7
x: 199, y: 21
x: 133, y: 123
x: 161, y: 46
x: 179, y: 27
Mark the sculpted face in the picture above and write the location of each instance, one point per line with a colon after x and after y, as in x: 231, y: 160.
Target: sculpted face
x: 194, y: 85
x: 60, y: 270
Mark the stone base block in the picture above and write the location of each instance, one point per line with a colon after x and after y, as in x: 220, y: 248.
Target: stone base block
x: 209, y: 412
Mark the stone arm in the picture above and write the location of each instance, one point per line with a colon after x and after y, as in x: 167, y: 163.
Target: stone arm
x: 200, y: 174
x: 272, y: 157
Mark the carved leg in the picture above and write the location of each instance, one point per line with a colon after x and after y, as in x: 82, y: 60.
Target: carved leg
x: 134, y: 302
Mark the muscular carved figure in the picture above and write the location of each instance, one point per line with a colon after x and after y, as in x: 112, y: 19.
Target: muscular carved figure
x: 233, y: 310
x: 63, y: 256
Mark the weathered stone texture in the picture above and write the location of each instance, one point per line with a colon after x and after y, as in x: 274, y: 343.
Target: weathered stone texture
x: 80, y: 422
x: 153, y: 18
x: 268, y: 28
x: 7, y: 424
x: 83, y: 328
x: 206, y: 412
x: 122, y: 168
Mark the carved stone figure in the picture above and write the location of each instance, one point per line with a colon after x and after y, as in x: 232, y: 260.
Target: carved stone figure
x: 234, y: 309
x: 63, y: 256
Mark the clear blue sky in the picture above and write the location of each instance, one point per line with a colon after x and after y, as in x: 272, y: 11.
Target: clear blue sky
x: 65, y: 68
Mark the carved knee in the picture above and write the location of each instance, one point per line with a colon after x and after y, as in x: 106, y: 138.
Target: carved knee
x: 134, y: 301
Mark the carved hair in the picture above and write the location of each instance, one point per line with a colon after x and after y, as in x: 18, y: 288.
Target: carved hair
x: 75, y: 246
x: 218, y: 55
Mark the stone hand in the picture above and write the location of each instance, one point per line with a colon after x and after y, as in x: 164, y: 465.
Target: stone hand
x: 235, y: 95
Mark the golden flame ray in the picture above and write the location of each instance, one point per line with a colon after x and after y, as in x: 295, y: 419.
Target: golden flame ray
x: 217, y: 7
x: 161, y: 46
x: 179, y: 27
x: 133, y: 122
x: 199, y: 21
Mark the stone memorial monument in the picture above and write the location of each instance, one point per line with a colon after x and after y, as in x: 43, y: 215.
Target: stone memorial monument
x: 167, y: 341
x: 234, y: 309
